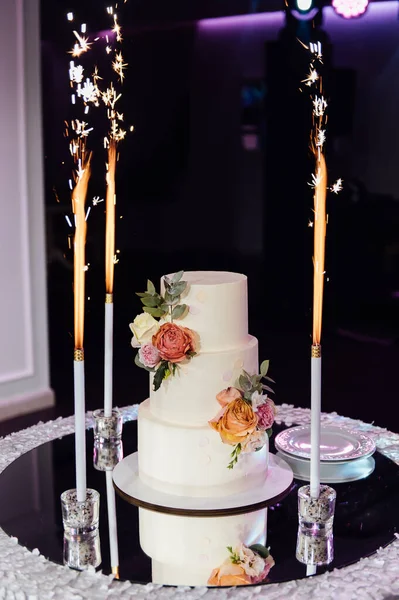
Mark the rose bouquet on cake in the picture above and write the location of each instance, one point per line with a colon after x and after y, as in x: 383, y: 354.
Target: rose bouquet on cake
x: 245, y: 565
x: 163, y: 344
x: 247, y: 414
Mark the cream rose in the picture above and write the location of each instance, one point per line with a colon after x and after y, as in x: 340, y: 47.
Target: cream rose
x: 257, y: 439
x: 144, y: 327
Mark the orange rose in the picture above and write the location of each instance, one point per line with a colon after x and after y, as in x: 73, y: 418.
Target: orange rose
x: 236, y: 420
x: 229, y: 574
x: 174, y: 342
x: 226, y: 396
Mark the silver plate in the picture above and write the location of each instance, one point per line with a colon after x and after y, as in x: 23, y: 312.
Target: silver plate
x: 337, y: 444
x: 332, y: 472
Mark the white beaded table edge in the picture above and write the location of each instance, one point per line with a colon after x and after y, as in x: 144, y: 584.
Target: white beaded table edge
x: 29, y: 575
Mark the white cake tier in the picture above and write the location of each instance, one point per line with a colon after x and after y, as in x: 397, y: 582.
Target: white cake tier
x: 185, y: 550
x: 218, y: 308
x: 192, y: 461
x: 189, y: 398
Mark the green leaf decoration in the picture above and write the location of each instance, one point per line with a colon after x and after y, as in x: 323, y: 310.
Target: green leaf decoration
x: 177, y: 276
x: 167, y: 280
x: 179, y: 311
x: 150, y: 301
x: 155, y: 312
x: 141, y: 294
x: 191, y: 353
x: 269, y: 379
x: 260, y: 549
x: 160, y: 374
x: 151, y: 288
x: 267, y: 388
x: 234, y: 455
x: 244, y: 384
x: 170, y: 299
x: 248, y: 397
x: 264, y: 367
x: 246, y: 375
x: 164, y: 307
x: 178, y: 288
x: 269, y: 432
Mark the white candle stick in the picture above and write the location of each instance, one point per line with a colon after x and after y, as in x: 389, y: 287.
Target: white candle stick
x: 112, y: 527
x: 108, y: 354
x: 315, y: 421
x: 80, y: 425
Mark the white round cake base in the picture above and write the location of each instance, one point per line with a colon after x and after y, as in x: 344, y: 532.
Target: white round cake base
x: 130, y: 487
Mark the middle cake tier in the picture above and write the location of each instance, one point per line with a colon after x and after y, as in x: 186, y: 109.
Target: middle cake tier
x: 193, y: 461
x: 189, y: 398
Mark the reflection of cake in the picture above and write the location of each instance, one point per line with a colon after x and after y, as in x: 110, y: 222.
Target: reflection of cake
x: 187, y: 550
x: 179, y: 453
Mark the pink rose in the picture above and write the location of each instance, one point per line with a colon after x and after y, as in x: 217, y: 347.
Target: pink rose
x: 149, y: 355
x: 266, y: 414
x: 269, y: 563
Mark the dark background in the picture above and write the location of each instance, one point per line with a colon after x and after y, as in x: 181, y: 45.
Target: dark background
x: 191, y: 196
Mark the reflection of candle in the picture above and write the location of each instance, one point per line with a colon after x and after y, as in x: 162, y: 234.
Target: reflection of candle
x: 112, y: 527
x: 78, y: 204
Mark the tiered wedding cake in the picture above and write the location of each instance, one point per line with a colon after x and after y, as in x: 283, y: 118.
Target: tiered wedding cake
x: 179, y: 450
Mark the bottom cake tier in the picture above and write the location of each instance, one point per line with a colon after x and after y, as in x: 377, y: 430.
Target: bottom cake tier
x: 193, y: 461
x: 185, y: 550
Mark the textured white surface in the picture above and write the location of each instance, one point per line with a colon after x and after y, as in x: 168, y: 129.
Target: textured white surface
x: 27, y: 575
x: 185, y: 550
x: 218, y: 308
x: 189, y: 397
x: 192, y: 461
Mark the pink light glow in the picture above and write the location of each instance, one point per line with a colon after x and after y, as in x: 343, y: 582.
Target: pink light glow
x: 350, y: 8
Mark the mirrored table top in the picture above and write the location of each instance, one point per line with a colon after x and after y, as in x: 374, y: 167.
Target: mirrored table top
x: 366, y: 515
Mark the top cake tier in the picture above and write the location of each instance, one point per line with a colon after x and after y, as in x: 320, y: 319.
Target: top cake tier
x: 218, y: 308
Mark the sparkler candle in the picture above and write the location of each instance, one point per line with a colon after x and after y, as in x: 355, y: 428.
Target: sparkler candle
x: 109, y: 277
x: 110, y: 97
x: 78, y: 204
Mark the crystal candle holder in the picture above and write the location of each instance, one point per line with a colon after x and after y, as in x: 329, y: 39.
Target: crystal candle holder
x: 314, y: 550
x: 82, y: 551
x: 80, y: 518
x: 107, y: 428
x: 316, y: 515
x: 106, y: 455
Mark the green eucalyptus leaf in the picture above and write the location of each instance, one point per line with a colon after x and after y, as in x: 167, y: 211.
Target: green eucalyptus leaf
x: 244, y: 384
x: 150, y: 287
x: 178, y: 288
x: 150, y: 301
x: 170, y: 299
x: 247, y: 375
x: 179, y: 311
x: 167, y: 280
x: 260, y: 549
x: 269, y: 432
x: 141, y: 294
x: 177, y: 276
x: 269, y: 379
x: 155, y: 312
x: 248, y: 397
x: 267, y: 388
x: 264, y: 367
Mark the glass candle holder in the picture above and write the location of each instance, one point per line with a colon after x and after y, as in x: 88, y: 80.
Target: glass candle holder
x: 106, y: 455
x: 107, y: 428
x: 82, y: 551
x: 314, y: 550
x: 80, y: 518
x: 316, y: 515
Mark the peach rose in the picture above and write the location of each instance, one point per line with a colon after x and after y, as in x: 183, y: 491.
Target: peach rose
x: 236, y: 421
x: 226, y: 396
x: 174, y: 342
x: 229, y: 574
